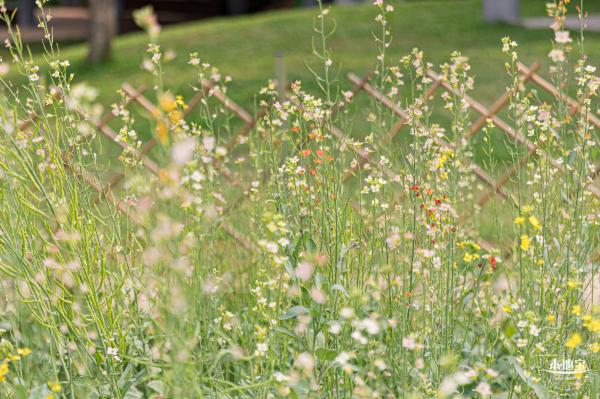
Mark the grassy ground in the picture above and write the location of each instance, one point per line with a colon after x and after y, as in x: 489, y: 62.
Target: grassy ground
x: 244, y: 47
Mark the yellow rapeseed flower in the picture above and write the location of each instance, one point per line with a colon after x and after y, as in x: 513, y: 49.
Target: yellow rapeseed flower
x: 23, y: 352
x: 519, y: 220
x: 54, y: 386
x: 576, y: 310
x: 593, y: 325
x: 3, y: 371
x: 525, y: 242
x: 574, y: 340
x: 595, y: 347
x: 535, y: 222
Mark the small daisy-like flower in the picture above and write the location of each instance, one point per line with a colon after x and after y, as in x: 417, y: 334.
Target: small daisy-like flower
x: 113, y: 352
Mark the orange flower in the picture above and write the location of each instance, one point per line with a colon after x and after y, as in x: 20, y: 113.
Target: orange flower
x: 175, y: 116
x: 305, y: 153
x: 162, y: 132
x: 167, y: 102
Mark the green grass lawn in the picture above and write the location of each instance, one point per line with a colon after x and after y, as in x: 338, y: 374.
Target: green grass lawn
x: 244, y: 47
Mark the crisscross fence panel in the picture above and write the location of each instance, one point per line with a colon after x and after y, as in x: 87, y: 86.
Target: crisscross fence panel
x: 495, y: 187
x: 105, y: 190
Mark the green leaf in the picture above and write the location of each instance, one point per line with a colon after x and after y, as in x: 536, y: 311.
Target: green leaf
x: 326, y: 354
x: 286, y: 332
x: 539, y: 390
x: 133, y: 393
x: 293, y: 312
x: 337, y: 287
x: 311, y: 246
x: 157, y: 386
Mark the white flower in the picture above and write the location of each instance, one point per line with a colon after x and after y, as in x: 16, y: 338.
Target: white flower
x: 447, y: 387
x: 533, y: 330
x: 491, y: 373
x: 408, y: 343
x: 371, y: 326
x: 304, y: 271
x: 483, y: 389
x: 557, y: 55
x: 335, y: 328
x: 471, y: 374
x: 343, y: 358
x: 183, y: 151
x: 380, y: 364
x: 280, y: 377
x: 114, y: 352
x: 357, y: 336
x: 305, y: 362
x: 318, y: 295
x: 209, y: 143
x: 522, y: 342
x: 261, y: 349
x: 562, y: 36
x: 419, y: 363
x: 347, y: 313
x: 220, y: 151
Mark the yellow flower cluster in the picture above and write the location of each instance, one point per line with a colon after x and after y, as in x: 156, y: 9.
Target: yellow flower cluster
x: 525, y: 242
x: 574, y: 340
x: 533, y: 221
x: 11, y: 357
x: 173, y: 108
x: 471, y: 250
x: 527, y: 219
x: 591, y: 324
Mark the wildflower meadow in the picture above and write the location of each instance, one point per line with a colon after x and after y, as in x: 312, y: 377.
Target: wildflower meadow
x: 374, y: 238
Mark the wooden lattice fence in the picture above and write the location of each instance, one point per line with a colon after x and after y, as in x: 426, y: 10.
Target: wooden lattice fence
x: 105, y: 190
